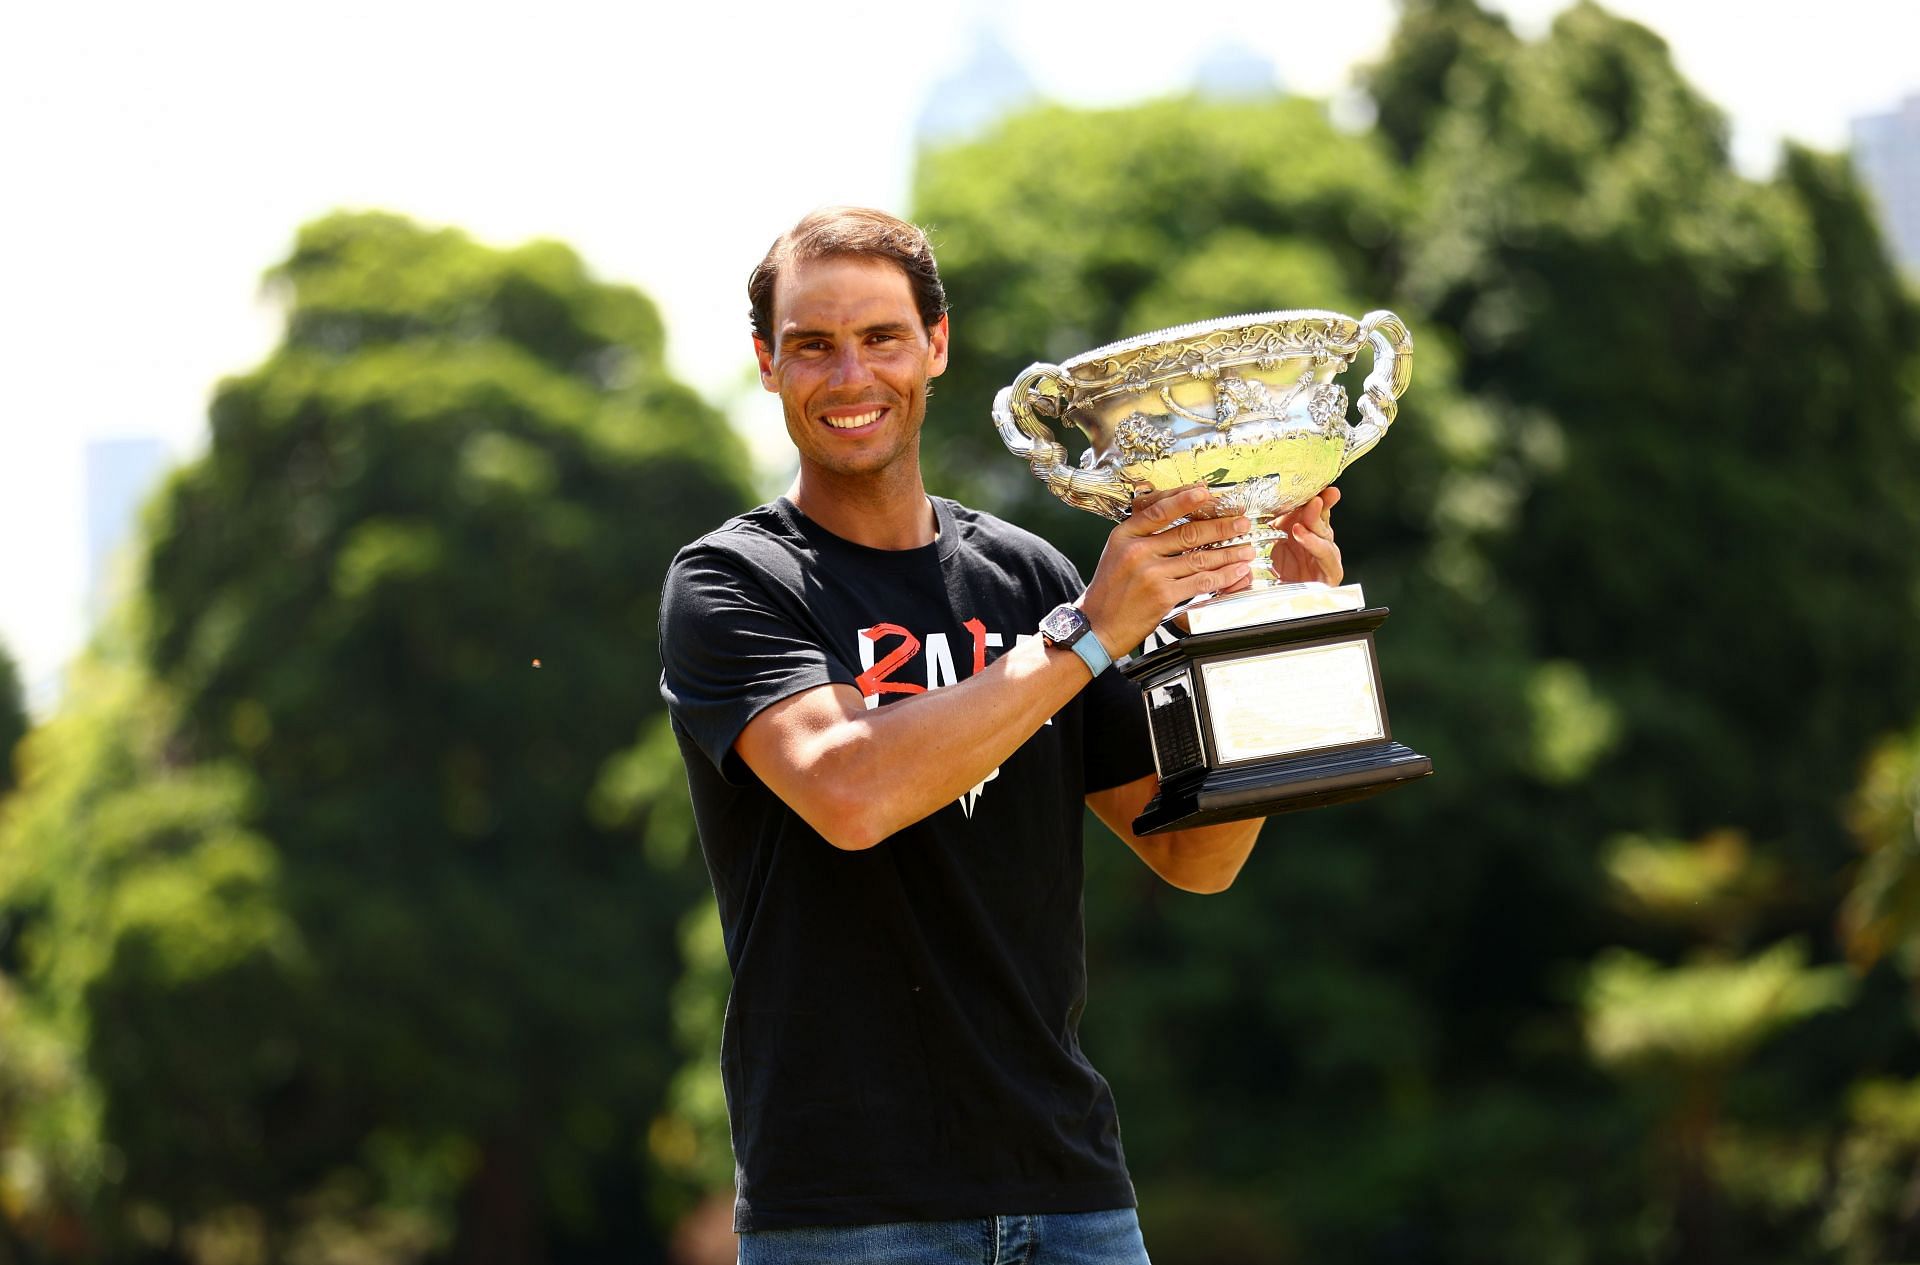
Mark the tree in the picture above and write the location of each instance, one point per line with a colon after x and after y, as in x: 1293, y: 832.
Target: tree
x: 13, y: 719
x: 51, y: 1156
x: 116, y: 861
x: 1720, y: 358
x: 1685, y: 1032
x: 1724, y: 360
x: 1442, y: 51
x: 403, y: 617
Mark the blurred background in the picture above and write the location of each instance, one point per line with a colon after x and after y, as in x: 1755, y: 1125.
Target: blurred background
x: 365, y: 368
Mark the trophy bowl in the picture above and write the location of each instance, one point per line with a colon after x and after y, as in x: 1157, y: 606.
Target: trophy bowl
x: 1246, y: 405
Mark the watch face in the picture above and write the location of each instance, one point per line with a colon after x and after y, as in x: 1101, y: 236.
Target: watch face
x: 1063, y: 625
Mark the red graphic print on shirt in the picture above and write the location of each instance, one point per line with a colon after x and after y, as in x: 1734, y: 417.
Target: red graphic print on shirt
x: 881, y: 673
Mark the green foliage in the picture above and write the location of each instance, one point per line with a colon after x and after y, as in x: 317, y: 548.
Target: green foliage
x: 13, y: 719
x: 1873, y: 1218
x: 1715, y: 888
x: 359, y: 281
x: 1443, y: 52
x: 66, y: 844
x: 691, y: 1140
x: 1882, y: 911
x: 1726, y: 361
x: 1723, y: 361
x: 1706, y: 1015
x: 357, y: 939
x: 1728, y: 1170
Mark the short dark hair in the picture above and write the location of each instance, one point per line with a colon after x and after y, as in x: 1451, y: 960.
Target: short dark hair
x: 849, y: 231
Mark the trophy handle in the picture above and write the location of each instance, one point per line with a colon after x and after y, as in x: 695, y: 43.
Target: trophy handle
x: 1017, y: 414
x: 1392, y: 371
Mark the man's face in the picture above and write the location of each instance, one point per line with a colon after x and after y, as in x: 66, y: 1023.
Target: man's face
x: 850, y: 361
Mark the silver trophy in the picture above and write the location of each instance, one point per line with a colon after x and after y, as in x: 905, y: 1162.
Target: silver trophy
x: 1268, y: 700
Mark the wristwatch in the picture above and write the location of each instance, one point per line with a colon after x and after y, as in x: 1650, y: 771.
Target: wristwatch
x: 1066, y: 625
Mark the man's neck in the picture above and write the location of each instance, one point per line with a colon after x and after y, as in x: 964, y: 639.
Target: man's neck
x: 880, y: 513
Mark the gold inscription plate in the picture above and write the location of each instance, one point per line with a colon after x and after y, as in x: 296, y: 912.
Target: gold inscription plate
x: 1293, y: 700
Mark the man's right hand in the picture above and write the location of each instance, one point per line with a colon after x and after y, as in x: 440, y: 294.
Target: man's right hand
x: 1150, y: 567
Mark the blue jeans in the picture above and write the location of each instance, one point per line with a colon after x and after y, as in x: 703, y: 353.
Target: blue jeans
x: 1058, y: 1238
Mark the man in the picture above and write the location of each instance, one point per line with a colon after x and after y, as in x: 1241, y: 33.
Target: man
x: 889, y: 758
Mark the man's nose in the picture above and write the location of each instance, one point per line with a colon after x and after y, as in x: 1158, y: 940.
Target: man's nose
x: 850, y: 366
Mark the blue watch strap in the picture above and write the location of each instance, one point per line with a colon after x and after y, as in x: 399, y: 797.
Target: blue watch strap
x: 1092, y: 653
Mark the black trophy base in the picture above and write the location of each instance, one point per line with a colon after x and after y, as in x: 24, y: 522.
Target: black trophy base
x: 1268, y: 718
x: 1266, y: 788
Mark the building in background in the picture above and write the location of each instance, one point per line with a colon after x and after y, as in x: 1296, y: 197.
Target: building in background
x: 121, y: 475
x: 991, y: 82
x: 1886, y: 149
x: 988, y: 84
x: 1233, y: 72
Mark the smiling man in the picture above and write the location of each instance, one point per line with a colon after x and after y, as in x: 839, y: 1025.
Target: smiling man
x: 893, y: 710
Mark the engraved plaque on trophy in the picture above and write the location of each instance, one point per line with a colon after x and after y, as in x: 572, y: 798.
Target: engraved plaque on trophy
x: 1269, y: 700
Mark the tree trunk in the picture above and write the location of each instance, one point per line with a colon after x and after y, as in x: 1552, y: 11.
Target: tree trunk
x: 499, y: 1220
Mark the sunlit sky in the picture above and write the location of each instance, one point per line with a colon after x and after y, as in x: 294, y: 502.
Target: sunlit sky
x: 157, y: 158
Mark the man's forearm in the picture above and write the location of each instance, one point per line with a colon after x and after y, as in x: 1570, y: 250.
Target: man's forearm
x: 1198, y: 859
x: 858, y: 775
x: 1203, y: 859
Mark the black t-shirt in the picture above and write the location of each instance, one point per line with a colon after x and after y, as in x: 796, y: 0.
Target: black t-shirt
x: 902, y: 1040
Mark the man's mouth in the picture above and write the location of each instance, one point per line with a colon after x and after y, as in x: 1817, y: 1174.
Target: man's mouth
x: 853, y: 421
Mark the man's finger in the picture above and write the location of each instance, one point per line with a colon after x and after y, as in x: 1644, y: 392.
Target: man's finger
x: 1143, y: 501
x: 1313, y: 542
x: 1321, y: 520
x: 1325, y: 554
x: 1155, y: 514
x: 1198, y: 533
x: 1241, y: 585
x: 1216, y: 559
x: 1219, y: 581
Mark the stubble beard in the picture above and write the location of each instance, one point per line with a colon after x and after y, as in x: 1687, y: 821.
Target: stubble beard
x: 883, y: 465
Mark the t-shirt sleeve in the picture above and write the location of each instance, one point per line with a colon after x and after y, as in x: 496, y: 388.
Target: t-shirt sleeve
x: 1117, y: 747
x: 731, y: 646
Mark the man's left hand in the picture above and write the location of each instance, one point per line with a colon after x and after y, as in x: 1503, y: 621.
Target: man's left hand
x: 1307, y: 550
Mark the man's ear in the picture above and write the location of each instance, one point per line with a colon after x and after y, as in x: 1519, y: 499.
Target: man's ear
x: 765, y: 357
x: 937, y: 341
